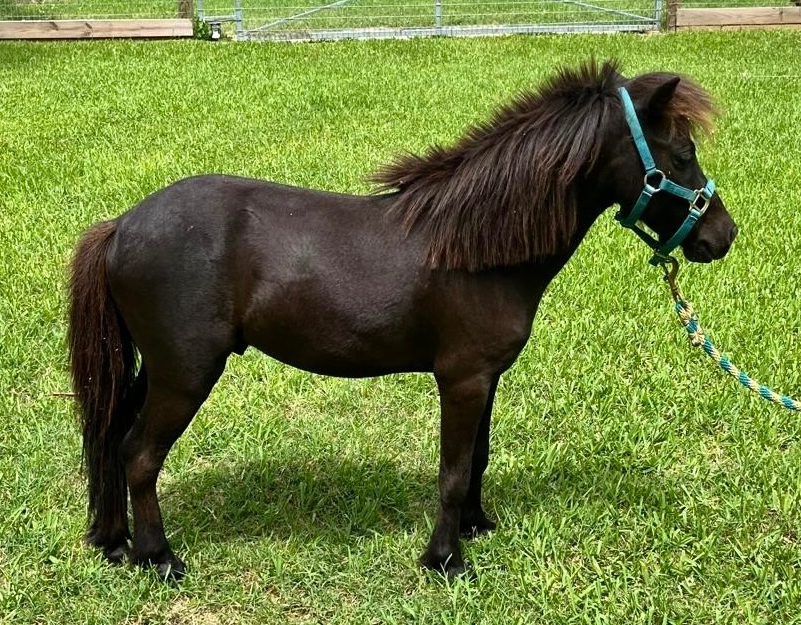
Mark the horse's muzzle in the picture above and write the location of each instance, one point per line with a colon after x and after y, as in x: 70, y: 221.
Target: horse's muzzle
x: 705, y: 249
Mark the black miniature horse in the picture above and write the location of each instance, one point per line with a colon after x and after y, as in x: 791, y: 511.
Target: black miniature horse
x: 441, y: 271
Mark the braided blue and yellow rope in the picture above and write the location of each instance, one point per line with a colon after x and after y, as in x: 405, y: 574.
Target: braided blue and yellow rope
x: 698, y: 338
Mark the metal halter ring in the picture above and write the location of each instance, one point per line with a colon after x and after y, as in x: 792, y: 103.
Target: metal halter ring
x: 699, y: 195
x: 654, y: 188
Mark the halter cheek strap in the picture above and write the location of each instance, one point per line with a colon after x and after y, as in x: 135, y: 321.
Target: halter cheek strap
x: 656, y: 181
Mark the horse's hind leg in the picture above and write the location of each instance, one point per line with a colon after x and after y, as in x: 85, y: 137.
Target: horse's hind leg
x: 109, y: 530
x: 173, y: 398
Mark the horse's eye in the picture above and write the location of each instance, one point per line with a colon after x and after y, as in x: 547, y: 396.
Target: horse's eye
x: 683, y: 158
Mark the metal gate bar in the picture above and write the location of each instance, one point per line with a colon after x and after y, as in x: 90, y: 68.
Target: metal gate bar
x: 447, y: 31
x: 237, y: 18
x: 633, y: 16
x: 286, y: 20
x: 296, y: 26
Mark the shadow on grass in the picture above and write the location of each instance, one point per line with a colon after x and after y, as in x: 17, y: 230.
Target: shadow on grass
x: 325, y: 497
x: 336, y: 499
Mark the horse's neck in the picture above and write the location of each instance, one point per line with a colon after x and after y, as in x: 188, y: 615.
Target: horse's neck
x: 539, y: 273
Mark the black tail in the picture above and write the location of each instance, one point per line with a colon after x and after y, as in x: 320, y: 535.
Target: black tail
x: 103, y: 365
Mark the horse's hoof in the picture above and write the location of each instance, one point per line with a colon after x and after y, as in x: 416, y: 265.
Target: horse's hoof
x: 114, y: 550
x: 453, y: 572
x: 116, y: 554
x: 168, y: 567
x: 473, y: 525
x: 464, y: 571
x: 173, y: 571
x: 451, y: 569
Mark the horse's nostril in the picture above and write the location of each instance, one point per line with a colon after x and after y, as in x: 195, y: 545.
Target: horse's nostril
x: 706, y: 247
x: 733, y: 232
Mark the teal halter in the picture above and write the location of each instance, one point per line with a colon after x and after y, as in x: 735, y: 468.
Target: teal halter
x: 655, y: 181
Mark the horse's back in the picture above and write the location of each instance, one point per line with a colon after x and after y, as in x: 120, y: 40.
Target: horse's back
x: 319, y: 280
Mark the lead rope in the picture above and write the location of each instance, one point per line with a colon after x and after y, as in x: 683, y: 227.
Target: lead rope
x: 698, y: 338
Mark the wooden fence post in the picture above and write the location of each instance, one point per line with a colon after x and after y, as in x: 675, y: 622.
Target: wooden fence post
x: 673, y: 6
x: 185, y: 9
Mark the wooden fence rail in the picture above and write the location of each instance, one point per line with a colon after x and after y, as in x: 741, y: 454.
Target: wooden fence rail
x: 179, y: 26
x: 95, y: 29
x: 737, y: 18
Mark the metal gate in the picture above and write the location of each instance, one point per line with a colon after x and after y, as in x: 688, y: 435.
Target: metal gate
x: 315, y: 20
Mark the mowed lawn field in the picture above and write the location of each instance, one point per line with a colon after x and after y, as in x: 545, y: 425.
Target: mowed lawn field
x: 632, y: 482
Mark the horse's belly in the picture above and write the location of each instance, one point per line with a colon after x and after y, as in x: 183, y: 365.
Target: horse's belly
x: 326, y: 357
x: 322, y: 342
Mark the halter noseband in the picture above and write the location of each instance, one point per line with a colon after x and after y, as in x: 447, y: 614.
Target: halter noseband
x: 655, y: 181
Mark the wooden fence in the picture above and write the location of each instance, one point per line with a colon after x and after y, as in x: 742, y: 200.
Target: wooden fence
x: 181, y: 25
x: 733, y: 18
x: 178, y: 26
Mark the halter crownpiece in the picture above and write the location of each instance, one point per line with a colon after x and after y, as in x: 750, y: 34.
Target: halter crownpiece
x: 655, y: 181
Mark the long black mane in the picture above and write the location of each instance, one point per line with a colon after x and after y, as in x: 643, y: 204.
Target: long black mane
x: 506, y: 192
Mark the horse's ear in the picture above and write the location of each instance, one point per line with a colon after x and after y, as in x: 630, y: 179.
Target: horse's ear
x: 661, y: 96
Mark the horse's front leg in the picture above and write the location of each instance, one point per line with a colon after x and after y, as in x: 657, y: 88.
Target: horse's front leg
x: 474, y: 520
x: 463, y: 400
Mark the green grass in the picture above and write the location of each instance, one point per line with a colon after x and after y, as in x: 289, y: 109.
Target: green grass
x: 633, y: 483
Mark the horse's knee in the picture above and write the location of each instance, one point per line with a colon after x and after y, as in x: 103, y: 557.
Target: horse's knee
x: 453, y: 485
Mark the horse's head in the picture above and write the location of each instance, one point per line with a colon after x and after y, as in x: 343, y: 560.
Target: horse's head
x: 656, y: 176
